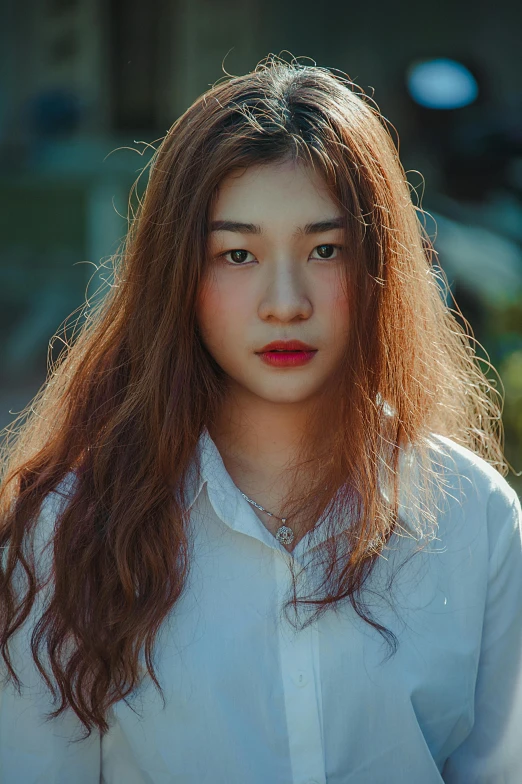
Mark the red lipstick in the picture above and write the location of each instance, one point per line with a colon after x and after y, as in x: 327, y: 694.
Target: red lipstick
x: 286, y: 353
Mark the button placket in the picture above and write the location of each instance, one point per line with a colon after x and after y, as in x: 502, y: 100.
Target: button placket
x: 300, y: 678
x: 303, y: 714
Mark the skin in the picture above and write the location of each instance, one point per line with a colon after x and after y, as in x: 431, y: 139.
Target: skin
x: 280, y: 288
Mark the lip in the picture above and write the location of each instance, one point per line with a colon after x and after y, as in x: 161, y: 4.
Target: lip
x: 280, y: 359
x: 286, y: 353
x: 286, y: 345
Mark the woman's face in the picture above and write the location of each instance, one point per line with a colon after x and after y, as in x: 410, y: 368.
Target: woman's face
x: 277, y: 277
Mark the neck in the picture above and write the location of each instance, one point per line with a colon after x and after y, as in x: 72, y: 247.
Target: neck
x: 258, y: 442
x: 258, y: 439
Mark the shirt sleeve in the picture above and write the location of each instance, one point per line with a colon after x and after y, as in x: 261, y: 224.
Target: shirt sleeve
x: 33, y: 750
x: 492, y: 752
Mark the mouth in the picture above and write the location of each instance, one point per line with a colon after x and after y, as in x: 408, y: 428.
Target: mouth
x: 286, y: 347
x: 285, y: 351
x: 287, y: 358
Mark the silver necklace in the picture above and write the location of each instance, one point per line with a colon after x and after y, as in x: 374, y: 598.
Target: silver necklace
x: 284, y: 534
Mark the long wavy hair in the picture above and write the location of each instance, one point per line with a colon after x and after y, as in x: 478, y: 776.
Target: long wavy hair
x: 126, y: 402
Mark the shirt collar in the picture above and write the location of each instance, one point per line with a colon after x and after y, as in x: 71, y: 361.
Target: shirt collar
x: 224, y: 496
x: 229, y: 505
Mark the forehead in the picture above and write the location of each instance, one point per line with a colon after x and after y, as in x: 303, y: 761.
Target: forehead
x: 283, y: 191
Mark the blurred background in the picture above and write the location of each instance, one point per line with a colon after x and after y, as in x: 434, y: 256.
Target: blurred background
x: 86, y: 86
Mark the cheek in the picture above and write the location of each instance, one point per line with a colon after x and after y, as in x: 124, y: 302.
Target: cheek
x: 206, y: 302
x: 221, y: 312
x: 334, y: 299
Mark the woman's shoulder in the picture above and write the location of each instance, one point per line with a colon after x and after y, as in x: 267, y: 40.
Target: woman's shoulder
x: 54, y: 503
x: 62, y: 493
x: 458, y: 460
x: 477, y: 490
x: 51, y: 508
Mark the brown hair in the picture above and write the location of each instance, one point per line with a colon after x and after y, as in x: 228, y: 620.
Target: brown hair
x: 123, y: 408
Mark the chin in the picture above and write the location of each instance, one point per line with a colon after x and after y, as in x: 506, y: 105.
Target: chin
x: 285, y: 396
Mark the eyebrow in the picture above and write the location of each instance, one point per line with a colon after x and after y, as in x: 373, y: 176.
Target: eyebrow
x: 318, y: 227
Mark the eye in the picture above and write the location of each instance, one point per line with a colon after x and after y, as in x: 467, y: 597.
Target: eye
x: 238, y: 256
x: 327, y: 252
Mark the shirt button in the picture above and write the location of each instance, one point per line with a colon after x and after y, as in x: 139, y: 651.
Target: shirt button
x: 300, y: 679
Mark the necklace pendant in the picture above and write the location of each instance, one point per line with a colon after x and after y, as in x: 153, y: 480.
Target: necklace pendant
x: 285, y: 535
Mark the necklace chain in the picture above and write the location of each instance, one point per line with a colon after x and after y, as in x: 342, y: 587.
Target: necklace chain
x: 284, y: 534
x: 262, y: 508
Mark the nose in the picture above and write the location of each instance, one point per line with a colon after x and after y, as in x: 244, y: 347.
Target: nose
x: 284, y: 295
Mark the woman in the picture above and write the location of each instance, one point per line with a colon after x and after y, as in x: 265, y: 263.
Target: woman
x: 253, y: 529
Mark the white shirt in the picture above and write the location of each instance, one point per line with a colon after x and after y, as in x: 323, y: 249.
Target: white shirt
x: 251, y: 701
